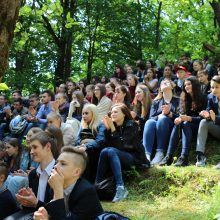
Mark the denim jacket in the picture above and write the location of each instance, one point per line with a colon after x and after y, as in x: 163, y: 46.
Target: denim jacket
x: 97, y: 142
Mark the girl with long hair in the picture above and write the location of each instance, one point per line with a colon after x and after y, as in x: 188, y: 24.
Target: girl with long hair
x: 192, y: 101
x: 91, y: 137
x: 161, y: 120
x: 124, y: 148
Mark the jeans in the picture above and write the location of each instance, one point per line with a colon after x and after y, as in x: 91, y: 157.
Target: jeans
x: 2, y: 128
x: 159, y: 129
x: 188, y: 130
x: 15, y: 183
x: 115, y: 159
x: 206, y: 127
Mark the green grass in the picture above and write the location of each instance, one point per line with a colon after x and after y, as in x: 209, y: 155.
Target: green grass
x: 170, y: 193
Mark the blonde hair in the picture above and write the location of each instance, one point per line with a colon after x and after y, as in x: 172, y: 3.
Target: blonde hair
x: 93, y: 125
x: 143, y: 107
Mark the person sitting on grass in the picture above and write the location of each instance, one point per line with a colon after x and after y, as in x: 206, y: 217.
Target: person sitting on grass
x: 8, y: 204
x: 123, y: 148
x: 44, y: 151
x: 210, y: 123
x: 192, y: 101
x: 74, y: 197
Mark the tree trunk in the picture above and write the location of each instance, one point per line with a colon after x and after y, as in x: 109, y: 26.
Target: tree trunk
x: 139, y: 31
x: 216, y: 8
x: 8, y: 15
x: 157, y: 35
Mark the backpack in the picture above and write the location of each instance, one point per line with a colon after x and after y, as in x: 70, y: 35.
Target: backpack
x: 106, y: 189
x: 111, y: 216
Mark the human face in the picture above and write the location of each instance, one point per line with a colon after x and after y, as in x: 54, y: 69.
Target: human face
x: 62, y: 88
x: 81, y: 84
x: 45, y: 98
x: 117, y: 70
x: 139, y: 94
x: 202, y: 78
x: 167, y: 71
x: 215, y: 88
x: 129, y: 70
x: 188, y: 86
x: 89, y: 93
x: 117, y: 115
x: 61, y: 100
x: 2, y: 100
x: 70, y: 86
x: 17, y: 106
x: 181, y: 74
x: 11, y: 150
x: 65, y: 164
x: 119, y: 95
x: 33, y: 102
x: 38, y: 152
x: 108, y: 88
x: 131, y: 81
x: 15, y: 95
x: 150, y: 74
x: 53, y: 121
x: 97, y: 92
x: 28, y: 137
x: 148, y: 64
x: 197, y: 66
x: 87, y: 115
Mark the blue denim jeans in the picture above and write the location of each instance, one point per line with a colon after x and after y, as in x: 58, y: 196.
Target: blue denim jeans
x: 115, y: 159
x: 159, y: 129
x: 188, y: 130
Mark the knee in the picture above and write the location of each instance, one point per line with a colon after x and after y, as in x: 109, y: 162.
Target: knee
x: 203, y: 123
x: 106, y: 151
x: 150, y: 124
x: 163, y: 119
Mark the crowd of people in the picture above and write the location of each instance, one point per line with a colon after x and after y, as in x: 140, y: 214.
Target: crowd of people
x: 86, y: 132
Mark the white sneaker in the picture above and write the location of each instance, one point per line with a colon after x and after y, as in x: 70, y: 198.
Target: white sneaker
x: 148, y: 156
x: 157, y: 158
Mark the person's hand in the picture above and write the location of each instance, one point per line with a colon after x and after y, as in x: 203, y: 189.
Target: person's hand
x: 32, y: 111
x: 133, y: 114
x: 55, y: 106
x: 8, y: 112
x: 204, y: 114
x: 165, y: 109
x: 56, y: 182
x: 27, y: 198
x: 185, y: 117
x: 41, y: 214
x: 19, y: 173
x: 29, y: 170
x: 84, y: 141
x: 177, y: 121
x: 108, y: 122
x: 212, y: 115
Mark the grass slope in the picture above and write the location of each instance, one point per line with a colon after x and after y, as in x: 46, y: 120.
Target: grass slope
x: 170, y: 193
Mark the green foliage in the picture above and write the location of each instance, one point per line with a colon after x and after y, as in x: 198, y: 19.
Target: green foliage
x: 104, y: 33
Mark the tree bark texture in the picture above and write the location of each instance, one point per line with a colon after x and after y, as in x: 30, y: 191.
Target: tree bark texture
x: 8, y: 15
x: 216, y: 8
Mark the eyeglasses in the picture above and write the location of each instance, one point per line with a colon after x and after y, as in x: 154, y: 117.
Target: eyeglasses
x: 96, y: 89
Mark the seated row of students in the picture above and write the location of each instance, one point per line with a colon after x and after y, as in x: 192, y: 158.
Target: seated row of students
x: 119, y: 147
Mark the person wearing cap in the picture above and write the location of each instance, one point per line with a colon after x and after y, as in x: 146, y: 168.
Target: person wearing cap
x: 159, y: 126
x: 181, y: 76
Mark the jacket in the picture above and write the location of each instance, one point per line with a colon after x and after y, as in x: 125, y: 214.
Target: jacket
x: 126, y: 138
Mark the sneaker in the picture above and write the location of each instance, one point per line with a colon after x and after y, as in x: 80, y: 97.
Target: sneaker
x: 217, y: 166
x: 148, y: 156
x: 121, y: 193
x: 201, y: 159
x: 168, y: 160
x: 182, y: 161
x: 157, y: 158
